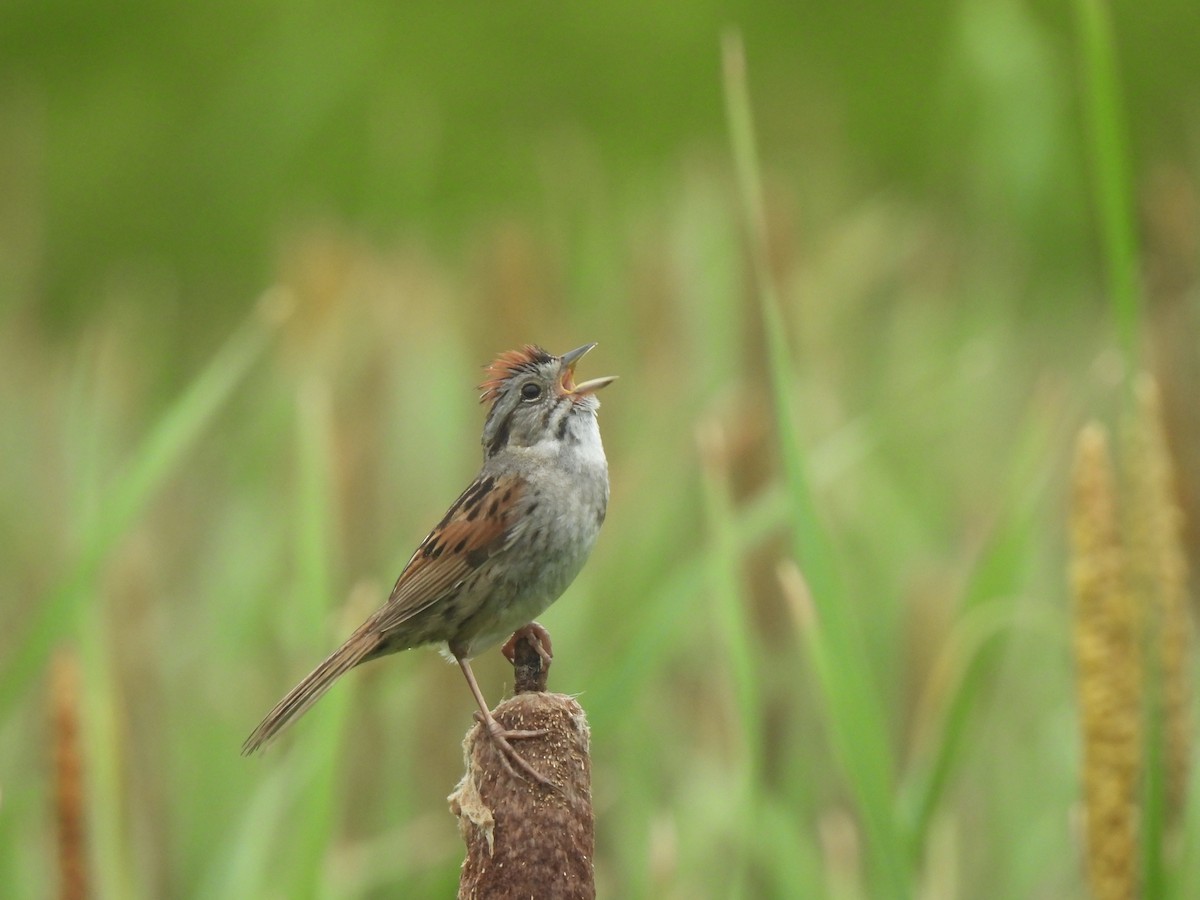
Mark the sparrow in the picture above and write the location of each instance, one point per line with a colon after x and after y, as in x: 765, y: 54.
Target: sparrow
x: 505, y: 550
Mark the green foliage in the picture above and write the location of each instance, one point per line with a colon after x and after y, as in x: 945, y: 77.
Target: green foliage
x: 1111, y: 181
x: 856, y: 717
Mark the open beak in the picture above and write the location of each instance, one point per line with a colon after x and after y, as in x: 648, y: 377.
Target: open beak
x: 588, y: 387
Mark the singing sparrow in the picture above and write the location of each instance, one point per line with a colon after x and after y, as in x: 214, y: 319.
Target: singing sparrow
x: 508, y: 546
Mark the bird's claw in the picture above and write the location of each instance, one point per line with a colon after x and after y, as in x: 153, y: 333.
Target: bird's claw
x: 500, y: 737
x: 539, y: 639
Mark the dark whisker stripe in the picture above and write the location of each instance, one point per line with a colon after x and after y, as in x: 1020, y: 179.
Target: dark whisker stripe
x: 499, y: 442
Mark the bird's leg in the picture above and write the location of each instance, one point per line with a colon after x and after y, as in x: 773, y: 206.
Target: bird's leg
x: 529, y: 651
x: 501, y: 736
x: 538, y: 637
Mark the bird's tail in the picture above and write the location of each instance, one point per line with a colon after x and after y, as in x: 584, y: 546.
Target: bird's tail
x: 309, y: 691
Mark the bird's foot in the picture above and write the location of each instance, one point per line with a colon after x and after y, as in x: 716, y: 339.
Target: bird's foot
x: 530, y: 652
x: 500, y: 737
x: 538, y: 638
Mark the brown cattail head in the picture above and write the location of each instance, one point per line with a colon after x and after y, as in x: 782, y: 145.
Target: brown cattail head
x: 523, y: 839
x: 1106, y: 647
x: 1158, y: 568
x: 69, y: 799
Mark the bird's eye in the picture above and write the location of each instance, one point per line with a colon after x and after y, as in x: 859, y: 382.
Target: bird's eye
x: 531, y: 390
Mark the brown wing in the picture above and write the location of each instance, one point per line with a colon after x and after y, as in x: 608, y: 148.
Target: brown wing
x: 478, y: 525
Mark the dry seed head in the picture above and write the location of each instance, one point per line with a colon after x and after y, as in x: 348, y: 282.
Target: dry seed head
x: 1159, y: 567
x: 1106, y: 646
x: 70, y: 797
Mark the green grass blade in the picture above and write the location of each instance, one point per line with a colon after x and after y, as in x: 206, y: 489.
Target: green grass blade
x: 1154, y: 803
x: 788, y: 853
x: 857, y: 724
x: 732, y: 616
x: 1185, y: 882
x: 242, y: 865
x: 1111, y: 183
x: 315, y: 528
x: 641, y: 638
x: 156, y: 460
x: 998, y: 573
x: 105, y: 762
x: 736, y: 637
x: 108, y: 765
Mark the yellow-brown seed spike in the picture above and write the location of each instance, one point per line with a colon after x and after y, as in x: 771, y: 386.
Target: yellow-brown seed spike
x: 1159, y: 565
x: 1106, y: 647
x: 69, y: 802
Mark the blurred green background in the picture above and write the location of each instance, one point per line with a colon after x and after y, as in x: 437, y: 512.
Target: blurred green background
x: 202, y: 495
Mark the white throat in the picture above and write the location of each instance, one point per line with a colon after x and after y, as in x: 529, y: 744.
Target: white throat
x: 580, y: 448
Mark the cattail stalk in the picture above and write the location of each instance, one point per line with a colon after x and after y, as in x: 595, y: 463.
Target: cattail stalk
x: 1107, y: 655
x: 524, y: 839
